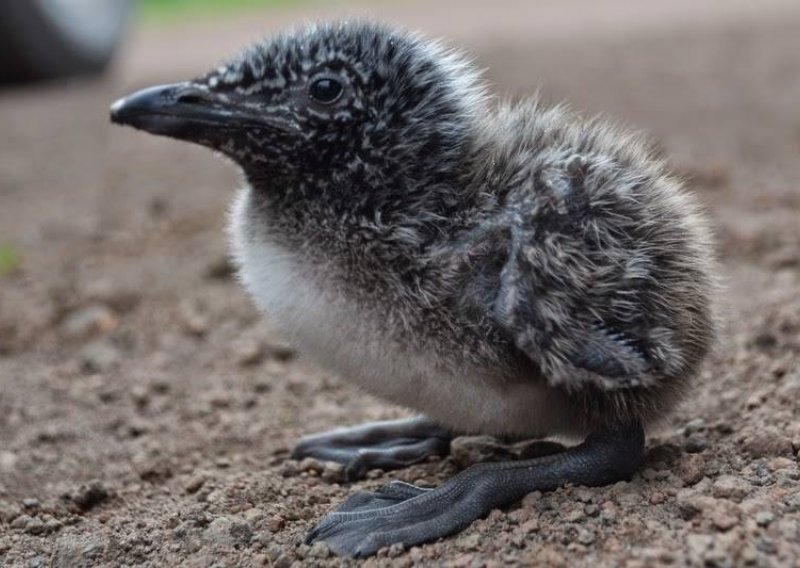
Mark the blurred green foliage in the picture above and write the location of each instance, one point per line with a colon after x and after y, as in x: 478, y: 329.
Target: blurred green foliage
x: 173, y: 9
x: 10, y: 259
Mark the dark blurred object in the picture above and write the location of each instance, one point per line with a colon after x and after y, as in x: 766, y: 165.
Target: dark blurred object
x: 47, y: 39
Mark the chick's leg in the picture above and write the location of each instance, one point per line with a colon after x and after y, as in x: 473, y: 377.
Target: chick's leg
x: 390, y: 444
x: 402, y: 513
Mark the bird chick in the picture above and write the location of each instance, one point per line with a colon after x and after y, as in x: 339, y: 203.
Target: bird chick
x: 506, y: 269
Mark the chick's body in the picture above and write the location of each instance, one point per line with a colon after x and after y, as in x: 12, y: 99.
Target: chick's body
x: 565, y: 235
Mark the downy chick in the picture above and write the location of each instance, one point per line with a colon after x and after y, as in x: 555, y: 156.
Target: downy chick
x: 502, y: 269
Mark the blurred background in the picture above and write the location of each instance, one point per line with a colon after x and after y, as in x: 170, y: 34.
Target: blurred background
x: 130, y: 357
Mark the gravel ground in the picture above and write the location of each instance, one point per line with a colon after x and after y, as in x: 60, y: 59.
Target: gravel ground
x: 146, y: 410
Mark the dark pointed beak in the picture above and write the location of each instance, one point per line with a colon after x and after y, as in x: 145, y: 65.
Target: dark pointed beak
x: 188, y: 111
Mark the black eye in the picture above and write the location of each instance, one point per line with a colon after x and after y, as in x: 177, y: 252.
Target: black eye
x: 325, y: 91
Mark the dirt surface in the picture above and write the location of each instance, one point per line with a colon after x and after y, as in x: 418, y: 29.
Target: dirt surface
x: 146, y: 411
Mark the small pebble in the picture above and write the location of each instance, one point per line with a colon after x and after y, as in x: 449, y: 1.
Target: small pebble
x: 470, y: 543
x: 8, y: 460
x: 586, y: 536
x: 608, y: 511
x: 764, y: 518
x: 195, y: 322
x: 767, y: 444
x: 290, y: 468
x: 311, y: 464
x: 723, y: 518
x: 89, y: 321
x: 531, y: 499
x: 691, y: 469
x: 261, y: 385
x: 91, y: 494
x: 34, y: 525
x: 275, y: 523
x: 228, y: 531
x: 690, y: 503
x: 99, y: 356
x: 319, y: 550
x: 254, y: 515
x: 766, y: 545
x: 333, y: 472
x: 194, y: 484
x: 248, y: 352
x: 20, y: 521
x: 781, y: 463
x: 730, y: 487
x: 31, y: 503
x: 140, y: 395
x: 695, y: 443
x: 574, y: 515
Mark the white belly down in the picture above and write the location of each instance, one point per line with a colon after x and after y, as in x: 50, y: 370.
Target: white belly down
x: 357, y: 345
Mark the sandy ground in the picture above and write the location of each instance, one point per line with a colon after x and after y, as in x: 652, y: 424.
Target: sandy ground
x: 146, y: 410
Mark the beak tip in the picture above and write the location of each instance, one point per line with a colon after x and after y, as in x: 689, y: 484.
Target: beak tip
x: 115, y: 112
x: 146, y: 106
x: 133, y: 109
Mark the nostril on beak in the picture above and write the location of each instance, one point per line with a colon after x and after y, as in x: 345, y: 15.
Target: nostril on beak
x: 192, y: 96
x: 190, y: 99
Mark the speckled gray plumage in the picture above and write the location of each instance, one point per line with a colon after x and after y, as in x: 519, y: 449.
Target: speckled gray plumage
x: 514, y: 237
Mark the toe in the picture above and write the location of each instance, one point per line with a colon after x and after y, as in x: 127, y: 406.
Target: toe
x: 401, y: 491
x: 357, y: 467
x: 355, y: 502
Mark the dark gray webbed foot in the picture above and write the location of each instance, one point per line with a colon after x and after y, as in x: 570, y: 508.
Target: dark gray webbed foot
x: 391, y: 444
x: 409, y: 515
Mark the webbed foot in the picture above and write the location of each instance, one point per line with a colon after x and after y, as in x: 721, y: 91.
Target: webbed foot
x: 409, y: 515
x: 391, y: 444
